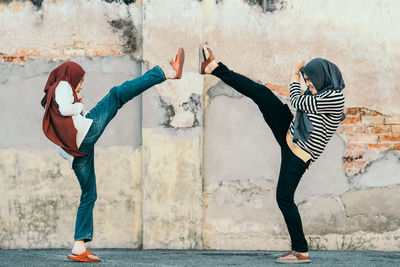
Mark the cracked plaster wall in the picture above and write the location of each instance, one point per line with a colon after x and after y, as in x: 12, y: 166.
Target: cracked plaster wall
x: 40, y: 193
x: 208, y: 164
x: 172, y: 129
x: 241, y: 158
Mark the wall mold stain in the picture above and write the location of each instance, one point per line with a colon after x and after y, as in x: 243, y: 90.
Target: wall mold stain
x: 169, y: 112
x: 129, y: 34
x: 268, y: 6
x: 194, y: 106
x: 36, y: 3
x: 126, y: 2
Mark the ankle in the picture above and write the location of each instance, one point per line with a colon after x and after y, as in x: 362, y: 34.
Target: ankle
x: 169, y: 72
x: 211, y: 67
x: 79, y: 247
x: 303, y: 253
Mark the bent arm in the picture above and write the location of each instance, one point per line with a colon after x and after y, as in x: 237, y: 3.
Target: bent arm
x: 65, y: 99
x: 326, y: 102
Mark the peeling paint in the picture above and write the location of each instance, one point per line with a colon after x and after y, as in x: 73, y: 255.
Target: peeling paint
x: 126, y: 2
x: 222, y: 89
x: 384, y: 171
x: 169, y: 112
x: 269, y: 5
x: 129, y: 35
x: 194, y: 106
x: 36, y: 3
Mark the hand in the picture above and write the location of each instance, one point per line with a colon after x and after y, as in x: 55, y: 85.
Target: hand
x: 298, y: 65
x: 79, y: 97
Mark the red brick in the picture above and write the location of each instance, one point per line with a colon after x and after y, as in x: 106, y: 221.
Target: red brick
x: 395, y: 128
x: 351, y: 120
x: 395, y: 146
x: 364, y: 111
x: 354, y: 164
x: 370, y: 112
x: 376, y: 113
x: 394, y: 119
x: 379, y: 129
x: 351, y: 111
x: 356, y: 146
x: 353, y: 154
x: 351, y: 128
x: 339, y: 129
x: 362, y: 138
x: 78, y: 43
x: 372, y: 120
x: 26, y: 52
x: 15, y: 59
x: 390, y: 138
x: 379, y: 146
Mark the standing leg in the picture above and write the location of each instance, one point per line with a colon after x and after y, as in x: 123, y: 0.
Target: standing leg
x: 84, y: 170
x: 101, y: 115
x: 292, y: 169
x: 83, y: 167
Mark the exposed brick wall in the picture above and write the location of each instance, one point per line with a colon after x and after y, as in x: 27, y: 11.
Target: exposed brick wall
x: 77, y: 48
x: 367, y: 133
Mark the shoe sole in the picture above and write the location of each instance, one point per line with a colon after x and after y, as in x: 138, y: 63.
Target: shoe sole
x: 181, y: 62
x: 293, y: 261
x: 202, y: 57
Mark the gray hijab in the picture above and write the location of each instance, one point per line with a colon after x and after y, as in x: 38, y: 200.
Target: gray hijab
x: 325, y: 76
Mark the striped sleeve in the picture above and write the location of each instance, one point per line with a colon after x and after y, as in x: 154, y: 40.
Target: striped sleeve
x: 326, y: 102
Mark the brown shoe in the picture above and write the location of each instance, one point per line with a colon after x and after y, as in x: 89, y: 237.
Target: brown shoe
x: 202, y: 58
x: 177, y: 64
x: 293, y: 257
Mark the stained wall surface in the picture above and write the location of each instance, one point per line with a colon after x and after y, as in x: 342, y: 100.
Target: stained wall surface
x: 191, y: 164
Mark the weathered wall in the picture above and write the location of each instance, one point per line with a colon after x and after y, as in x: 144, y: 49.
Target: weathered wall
x: 40, y: 193
x: 338, y: 196
x: 191, y: 164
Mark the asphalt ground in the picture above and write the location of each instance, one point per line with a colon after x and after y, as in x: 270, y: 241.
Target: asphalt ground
x: 130, y: 257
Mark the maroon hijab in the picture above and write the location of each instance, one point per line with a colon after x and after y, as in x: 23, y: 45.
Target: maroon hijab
x: 58, y: 128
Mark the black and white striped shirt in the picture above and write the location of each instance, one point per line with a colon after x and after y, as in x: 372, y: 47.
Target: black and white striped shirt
x: 324, y: 111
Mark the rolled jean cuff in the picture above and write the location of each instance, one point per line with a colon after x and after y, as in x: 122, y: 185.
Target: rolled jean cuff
x: 160, y: 71
x: 85, y: 238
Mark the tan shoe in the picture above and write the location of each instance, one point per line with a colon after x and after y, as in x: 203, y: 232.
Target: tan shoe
x: 177, y: 64
x: 293, y: 257
x: 203, y: 61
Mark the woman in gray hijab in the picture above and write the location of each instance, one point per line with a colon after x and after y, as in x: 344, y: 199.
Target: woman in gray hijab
x: 302, y: 137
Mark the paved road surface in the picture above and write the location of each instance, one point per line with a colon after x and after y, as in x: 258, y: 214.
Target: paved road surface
x: 129, y: 257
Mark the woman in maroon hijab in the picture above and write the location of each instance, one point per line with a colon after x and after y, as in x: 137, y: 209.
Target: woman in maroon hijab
x: 75, y: 131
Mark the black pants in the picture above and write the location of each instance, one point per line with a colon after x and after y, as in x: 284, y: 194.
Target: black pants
x: 278, y: 116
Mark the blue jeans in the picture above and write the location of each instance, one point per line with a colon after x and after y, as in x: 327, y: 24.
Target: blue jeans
x: 101, y: 115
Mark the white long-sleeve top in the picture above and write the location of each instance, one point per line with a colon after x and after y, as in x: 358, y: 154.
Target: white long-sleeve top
x: 65, y: 100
